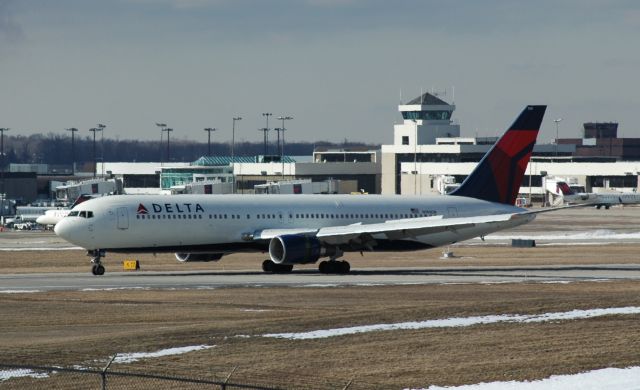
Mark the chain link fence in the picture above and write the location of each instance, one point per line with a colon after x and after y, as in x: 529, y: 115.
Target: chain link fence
x: 13, y: 376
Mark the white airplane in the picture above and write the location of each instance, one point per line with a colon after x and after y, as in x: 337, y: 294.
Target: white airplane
x: 607, y: 200
x: 52, y: 217
x: 301, y: 229
x: 597, y: 200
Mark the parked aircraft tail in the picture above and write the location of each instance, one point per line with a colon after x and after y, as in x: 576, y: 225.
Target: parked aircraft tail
x: 80, y: 199
x: 498, y: 176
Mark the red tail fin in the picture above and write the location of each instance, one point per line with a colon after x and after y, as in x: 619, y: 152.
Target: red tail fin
x: 498, y: 176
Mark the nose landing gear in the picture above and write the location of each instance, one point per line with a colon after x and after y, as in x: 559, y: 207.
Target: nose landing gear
x: 96, y: 255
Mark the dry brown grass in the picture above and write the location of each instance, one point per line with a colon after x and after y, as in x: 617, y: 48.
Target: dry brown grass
x: 82, y: 327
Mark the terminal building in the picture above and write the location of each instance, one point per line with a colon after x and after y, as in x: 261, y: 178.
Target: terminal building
x: 428, y: 146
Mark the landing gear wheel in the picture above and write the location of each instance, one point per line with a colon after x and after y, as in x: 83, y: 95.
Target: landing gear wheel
x: 334, y: 267
x: 271, y: 267
x: 345, y: 267
x: 267, y: 266
x: 283, y: 269
x: 97, y: 269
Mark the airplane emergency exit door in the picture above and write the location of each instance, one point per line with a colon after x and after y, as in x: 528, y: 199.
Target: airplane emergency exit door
x: 123, y: 218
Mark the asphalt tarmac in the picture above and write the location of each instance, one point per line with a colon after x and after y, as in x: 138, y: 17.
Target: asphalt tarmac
x: 310, y: 278
x: 573, y: 228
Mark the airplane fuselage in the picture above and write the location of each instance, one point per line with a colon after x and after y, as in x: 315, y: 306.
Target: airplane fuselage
x: 228, y: 223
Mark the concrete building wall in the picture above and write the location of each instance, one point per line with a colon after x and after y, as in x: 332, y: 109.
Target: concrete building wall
x: 388, y: 174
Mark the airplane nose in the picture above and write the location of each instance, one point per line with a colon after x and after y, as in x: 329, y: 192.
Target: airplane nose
x: 62, y: 229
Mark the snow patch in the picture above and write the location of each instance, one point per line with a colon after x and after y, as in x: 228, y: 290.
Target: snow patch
x: 19, y: 291
x: 135, y: 356
x: 457, y: 322
x: 607, y: 378
x: 602, y: 234
x: 319, y: 285
x: 21, y: 373
x: 114, y: 288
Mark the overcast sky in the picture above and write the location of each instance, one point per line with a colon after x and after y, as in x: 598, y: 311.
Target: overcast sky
x: 338, y: 66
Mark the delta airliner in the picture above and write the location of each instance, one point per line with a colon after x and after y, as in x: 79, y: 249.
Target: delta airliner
x: 302, y: 229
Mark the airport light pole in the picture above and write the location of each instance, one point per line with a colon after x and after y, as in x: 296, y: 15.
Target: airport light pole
x: 2, y: 193
x: 266, y: 115
x: 162, y: 126
x: 415, y: 157
x: 102, y: 127
x: 283, y: 118
x: 168, y: 130
x: 95, y: 163
x: 233, y: 145
x: 266, y: 138
x: 73, y: 130
x: 557, y: 121
x: 209, y: 130
x: 278, y: 130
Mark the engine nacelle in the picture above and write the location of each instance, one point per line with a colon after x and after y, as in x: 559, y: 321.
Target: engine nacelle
x: 295, y: 249
x: 195, y: 257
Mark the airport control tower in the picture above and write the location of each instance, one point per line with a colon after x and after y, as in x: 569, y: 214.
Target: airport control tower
x: 426, y: 131
x: 426, y: 118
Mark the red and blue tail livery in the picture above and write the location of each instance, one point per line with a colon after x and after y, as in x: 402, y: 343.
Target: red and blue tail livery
x: 498, y: 176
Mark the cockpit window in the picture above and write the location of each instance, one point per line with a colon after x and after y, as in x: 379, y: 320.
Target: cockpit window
x: 89, y: 214
x: 74, y: 214
x: 85, y: 214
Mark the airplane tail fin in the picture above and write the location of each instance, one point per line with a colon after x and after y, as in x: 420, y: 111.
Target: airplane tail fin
x: 498, y: 176
x: 80, y: 199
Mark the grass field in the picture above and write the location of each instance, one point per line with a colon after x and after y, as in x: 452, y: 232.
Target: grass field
x: 85, y: 328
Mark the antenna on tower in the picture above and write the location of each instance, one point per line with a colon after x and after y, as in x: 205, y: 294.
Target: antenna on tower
x: 421, y: 96
x: 400, y: 95
x: 453, y: 93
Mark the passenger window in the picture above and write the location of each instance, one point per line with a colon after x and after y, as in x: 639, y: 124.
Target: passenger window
x: 248, y: 216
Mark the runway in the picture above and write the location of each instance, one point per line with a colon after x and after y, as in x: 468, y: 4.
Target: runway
x: 16, y: 283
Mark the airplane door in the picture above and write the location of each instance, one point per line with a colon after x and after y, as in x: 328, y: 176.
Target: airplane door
x: 123, y: 218
x: 452, y: 212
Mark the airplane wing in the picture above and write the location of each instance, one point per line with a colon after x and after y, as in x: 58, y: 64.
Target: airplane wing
x: 394, y: 229
x: 403, y: 229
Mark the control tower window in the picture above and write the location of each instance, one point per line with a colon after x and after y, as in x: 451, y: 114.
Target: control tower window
x: 427, y: 115
x: 405, y: 140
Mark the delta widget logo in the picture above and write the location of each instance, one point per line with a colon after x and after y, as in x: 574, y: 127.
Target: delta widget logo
x: 142, y: 209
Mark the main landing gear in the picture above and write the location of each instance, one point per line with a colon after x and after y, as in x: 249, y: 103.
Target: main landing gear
x: 274, y: 268
x: 334, y: 267
x: 96, y: 264
x: 325, y: 267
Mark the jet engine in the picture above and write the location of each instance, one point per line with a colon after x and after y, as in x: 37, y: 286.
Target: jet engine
x: 295, y: 249
x: 194, y: 257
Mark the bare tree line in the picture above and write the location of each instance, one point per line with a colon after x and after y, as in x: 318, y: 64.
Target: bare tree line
x: 56, y: 149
